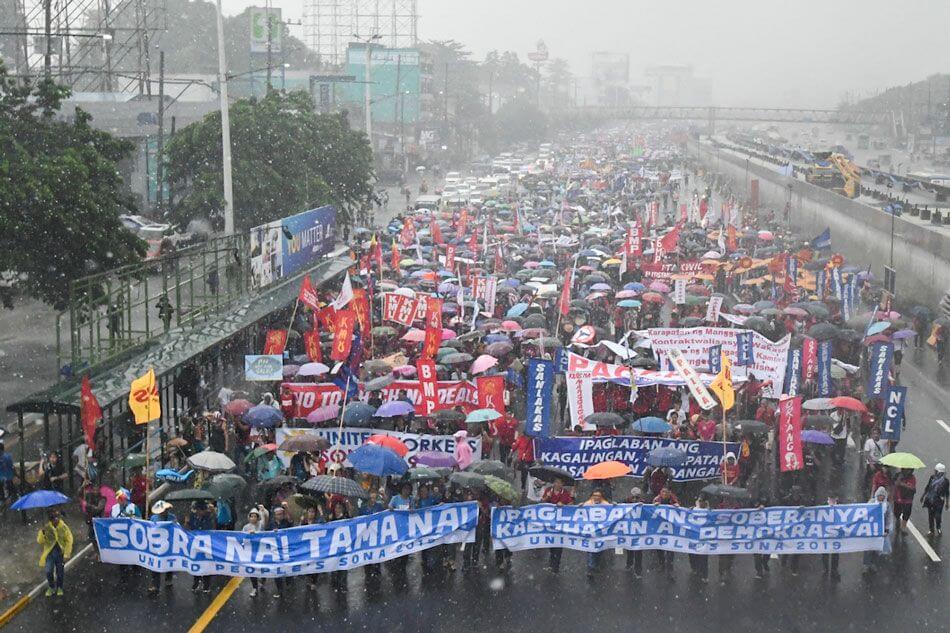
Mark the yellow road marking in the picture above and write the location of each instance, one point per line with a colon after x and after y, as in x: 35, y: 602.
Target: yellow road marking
x: 18, y: 606
x: 219, y: 601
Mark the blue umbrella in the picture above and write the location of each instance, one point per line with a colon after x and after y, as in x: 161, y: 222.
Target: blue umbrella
x: 514, y: 283
x: 547, y: 263
x: 651, y: 424
x: 358, y: 412
x: 817, y: 437
x: 666, y: 456
x: 497, y: 338
x: 40, y: 499
x: 517, y: 310
x: 877, y: 328
x: 263, y: 416
x: 482, y: 415
x: 377, y: 460
x: 629, y: 303
x: 636, y: 286
x: 395, y: 407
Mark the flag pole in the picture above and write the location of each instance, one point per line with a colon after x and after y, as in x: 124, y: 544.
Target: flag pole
x: 293, y: 315
x: 724, y: 451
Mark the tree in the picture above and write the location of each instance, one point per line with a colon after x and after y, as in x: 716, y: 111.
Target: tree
x: 60, y: 197
x: 286, y: 159
x: 520, y: 121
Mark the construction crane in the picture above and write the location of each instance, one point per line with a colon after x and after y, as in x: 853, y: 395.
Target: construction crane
x: 834, y: 171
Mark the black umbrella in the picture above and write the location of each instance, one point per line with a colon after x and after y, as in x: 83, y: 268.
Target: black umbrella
x: 605, y: 418
x: 726, y: 491
x: 189, y: 494
x: 643, y: 362
x: 276, y: 482
x: 489, y: 467
x: 449, y: 415
x: 751, y: 426
x: 467, y: 479
x: 818, y: 421
x: 550, y: 473
x: 535, y: 321
x: 823, y: 331
x: 334, y: 486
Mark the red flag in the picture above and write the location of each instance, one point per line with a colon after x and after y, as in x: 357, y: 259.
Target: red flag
x: 450, y: 256
x: 343, y: 336
x: 408, y: 233
x: 499, y: 260
x: 394, y: 260
x: 275, y: 342
x: 564, y: 304
x: 473, y: 244
x: 376, y: 252
x: 433, y: 332
x: 428, y: 383
x: 90, y: 412
x: 703, y: 208
x: 636, y: 239
x: 311, y: 344
x: 731, y: 242
x: 462, y: 223
x: 436, y: 231
x: 327, y: 317
x: 669, y: 241
x: 491, y: 393
x: 790, y: 434
x: 307, y: 294
x: 361, y: 307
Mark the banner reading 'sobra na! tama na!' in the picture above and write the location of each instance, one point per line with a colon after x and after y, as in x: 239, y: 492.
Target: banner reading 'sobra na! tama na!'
x: 308, y: 549
x: 779, y: 530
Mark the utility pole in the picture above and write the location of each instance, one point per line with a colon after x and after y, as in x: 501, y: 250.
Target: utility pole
x: 491, y: 95
x: 396, y: 98
x: 47, y: 30
x: 269, y: 43
x: 367, y: 84
x: 225, y: 127
x: 160, y: 167
x: 445, y: 98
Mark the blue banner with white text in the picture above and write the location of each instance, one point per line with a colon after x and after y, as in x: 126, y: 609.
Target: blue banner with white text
x: 824, y: 369
x: 577, y: 454
x: 879, y: 367
x: 793, y: 372
x: 540, y: 392
x: 775, y: 530
x: 894, y: 404
x: 309, y: 549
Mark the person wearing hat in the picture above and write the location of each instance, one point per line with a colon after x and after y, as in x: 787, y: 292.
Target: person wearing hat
x: 124, y: 507
x: 161, y: 511
x: 56, y: 539
x: 936, y: 498
x: 254, y: 525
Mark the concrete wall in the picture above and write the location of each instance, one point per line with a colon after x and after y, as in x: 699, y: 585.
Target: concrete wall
x: 860, y: 232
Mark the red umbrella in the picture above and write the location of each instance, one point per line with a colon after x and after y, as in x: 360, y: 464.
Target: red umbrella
x: 238, y: 407
x: 653, y: 297
x: 387, y: 441
x: 607, y: 470
x: 847, y: 402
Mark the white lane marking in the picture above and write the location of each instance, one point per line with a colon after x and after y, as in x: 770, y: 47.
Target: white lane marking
x: 944, y: 425
x: 924, y: 545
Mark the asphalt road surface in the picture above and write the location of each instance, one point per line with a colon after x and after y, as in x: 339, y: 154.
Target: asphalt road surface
x: 908, y: 593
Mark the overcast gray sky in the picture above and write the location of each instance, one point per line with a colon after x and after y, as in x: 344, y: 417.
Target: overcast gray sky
x: 756, y: 52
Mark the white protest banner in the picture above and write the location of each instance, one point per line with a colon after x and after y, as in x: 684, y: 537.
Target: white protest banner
x: 694, y: 343
x: 342, y: 444
x: 451, y: 393
x: 712, y: 310
x: 484, y: 292
x: 580, y: 397
x: 600, y: 371
x: 679, y: 291
x: 732, y: 318
x: 702, y: 396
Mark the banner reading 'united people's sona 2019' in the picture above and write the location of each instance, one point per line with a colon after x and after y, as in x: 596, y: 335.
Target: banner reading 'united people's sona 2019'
x: 310, y: 549
x: 781, y: 530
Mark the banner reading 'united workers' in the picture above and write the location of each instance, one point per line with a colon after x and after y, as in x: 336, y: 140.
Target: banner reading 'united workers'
x: 783, y: 530
x: 309, y: 549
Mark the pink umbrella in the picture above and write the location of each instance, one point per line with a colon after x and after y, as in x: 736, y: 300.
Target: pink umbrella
x: 766, y: 236
x: 510, y: 326
x: 626, y: 294
x: 652, y: 297
x: 594, y: 295
x: 448, y: 334
x: 532, y: 264
x: 414, y: 335
x: 405, y: 371
x: 482, y: 363
x: 796, y: 312
x: 887, y: 316
x: 238, y: 407
x: 323, y: 414
x: 659, y: 286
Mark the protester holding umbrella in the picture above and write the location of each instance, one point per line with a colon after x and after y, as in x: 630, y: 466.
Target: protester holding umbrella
x: 56, y: 541
x: 699, y: 563
x: 594, y: 558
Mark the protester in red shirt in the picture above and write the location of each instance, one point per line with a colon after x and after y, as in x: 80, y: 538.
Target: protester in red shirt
x: 557, y: 494
x: 905, y: 487
x: 729, y: 469
x: 707, y: 427
x: 288, y: 403
x: 504, y: 429
x: 524, y: 456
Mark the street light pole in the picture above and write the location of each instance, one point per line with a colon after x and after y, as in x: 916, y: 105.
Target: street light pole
x: 367, y: 84
x: 225, y: 128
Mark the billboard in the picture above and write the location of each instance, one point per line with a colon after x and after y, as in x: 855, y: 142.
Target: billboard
x: 285, y: 247
x: 259, y: 29
x: 610, y: 68
x: 397, y: 82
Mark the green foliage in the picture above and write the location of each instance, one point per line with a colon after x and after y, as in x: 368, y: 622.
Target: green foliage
x: 60, y: 197
x: 286, y: 158
x: 520, y: 121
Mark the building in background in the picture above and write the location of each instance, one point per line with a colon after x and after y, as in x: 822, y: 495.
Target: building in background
x: 610, y: 78
x: 401, y: 98
x: 675, y: 85
x: 329, y: 25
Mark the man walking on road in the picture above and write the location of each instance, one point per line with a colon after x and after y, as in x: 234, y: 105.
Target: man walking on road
x: 56, y: 539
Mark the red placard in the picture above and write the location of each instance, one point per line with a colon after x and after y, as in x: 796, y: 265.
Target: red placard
x: 360, y: 306
x: 450, y: 257
x: 311, y: 343
x: 425, y: 367
x: 809, y: 357
x: 275, y: 342
x: 433, y: 335
x: 790, y: 434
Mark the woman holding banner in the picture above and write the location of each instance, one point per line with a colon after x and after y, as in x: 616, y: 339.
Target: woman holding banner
x: 594, y: 558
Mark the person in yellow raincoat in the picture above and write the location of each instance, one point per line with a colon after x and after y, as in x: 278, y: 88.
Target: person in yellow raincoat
x: 56, y: 540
